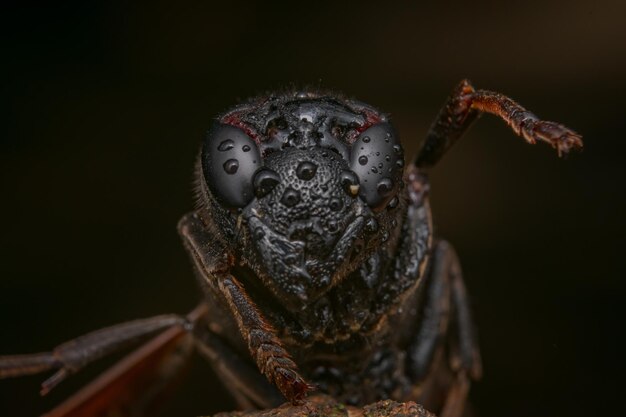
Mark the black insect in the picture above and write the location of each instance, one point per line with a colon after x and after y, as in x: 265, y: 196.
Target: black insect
x: 313, y: 242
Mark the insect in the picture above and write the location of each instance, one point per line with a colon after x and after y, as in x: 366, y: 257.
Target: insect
x: 313, y: 243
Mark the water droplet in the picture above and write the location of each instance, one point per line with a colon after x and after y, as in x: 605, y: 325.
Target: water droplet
x: 397, y: 148
x: 400, y: 163
x: 384, y: 187
x: 374, y: 170
x: 366, y: 139
x: 245, y: 148
x: 363, y: 160
x: 387, y: 137
x: 385, y: 236
x: 387, y: 158
x: 393, y: 203
x: 226, y: 145
x: 380, y: 165
x: 231, y: 166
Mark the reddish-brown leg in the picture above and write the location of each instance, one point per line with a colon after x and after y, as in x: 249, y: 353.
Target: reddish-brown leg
x: 270, y: 356
x: 465, y: 104
x: 75, y: 354
x: 213, y: 266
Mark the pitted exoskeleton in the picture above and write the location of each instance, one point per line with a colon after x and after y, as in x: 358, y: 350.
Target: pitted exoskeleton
x: 306, y: 187
x: 313, y: 242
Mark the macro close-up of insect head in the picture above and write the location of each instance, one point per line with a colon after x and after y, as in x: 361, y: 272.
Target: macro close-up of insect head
x: 367, y: 209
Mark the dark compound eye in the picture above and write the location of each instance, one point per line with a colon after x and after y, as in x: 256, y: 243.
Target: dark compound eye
x: 229, y: 159
x: 377, y: 160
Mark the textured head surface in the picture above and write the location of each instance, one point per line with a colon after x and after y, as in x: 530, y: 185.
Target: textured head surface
x: 310, y: 181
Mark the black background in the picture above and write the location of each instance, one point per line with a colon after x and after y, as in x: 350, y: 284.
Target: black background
x: 104, y: 107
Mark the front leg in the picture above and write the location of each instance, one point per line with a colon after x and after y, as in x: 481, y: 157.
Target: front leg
x: 465, y: 104
x: 265, y: 348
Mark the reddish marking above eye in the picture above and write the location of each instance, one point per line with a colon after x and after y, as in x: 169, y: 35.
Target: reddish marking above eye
x: 234, y: 119
x: 371, y: 118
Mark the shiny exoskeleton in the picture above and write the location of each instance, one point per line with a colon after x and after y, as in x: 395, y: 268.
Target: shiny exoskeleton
x: 313, y: 241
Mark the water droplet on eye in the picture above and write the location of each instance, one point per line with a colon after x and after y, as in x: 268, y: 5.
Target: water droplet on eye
x: 366, y: 139
x: 400, y: 163
x: 374, y: 170
x: 363, y: 160
x: 226, y: 145
x: 246, y: 148
x: 384, y: 187
x: 231, y: 166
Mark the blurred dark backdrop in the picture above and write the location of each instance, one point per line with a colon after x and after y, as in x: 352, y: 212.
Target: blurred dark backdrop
x: 104, y: 107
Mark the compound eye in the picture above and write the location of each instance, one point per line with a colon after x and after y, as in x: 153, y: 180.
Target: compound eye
x: 229, y: 159
x: 377, y: 159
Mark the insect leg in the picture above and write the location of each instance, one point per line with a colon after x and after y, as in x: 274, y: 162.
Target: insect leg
x: 465, y: 104
x: 434, y: 315
x: 271, y: 357
x: 249, y: 388
x: 213, y: 266
x: 73, y: 355
x: 446, y: 329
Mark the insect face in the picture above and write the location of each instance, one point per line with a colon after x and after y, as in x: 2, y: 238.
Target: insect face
x: 310, y: 181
